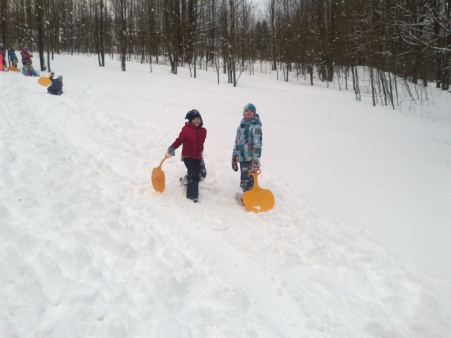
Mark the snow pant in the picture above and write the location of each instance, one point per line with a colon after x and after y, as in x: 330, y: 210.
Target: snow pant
x: 194, y: 174
x: 247, y: 181
x: 30, y: 73
x: 52, y: 90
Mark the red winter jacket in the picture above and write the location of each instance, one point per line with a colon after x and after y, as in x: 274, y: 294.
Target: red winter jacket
x: 192, y: 139
x: 26, y: 56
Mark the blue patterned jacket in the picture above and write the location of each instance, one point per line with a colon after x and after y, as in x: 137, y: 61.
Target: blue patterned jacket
x: 12, y: 55
x: 248, y: 142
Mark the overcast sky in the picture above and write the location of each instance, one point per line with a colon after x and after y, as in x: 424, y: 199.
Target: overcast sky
x: 259, y: 3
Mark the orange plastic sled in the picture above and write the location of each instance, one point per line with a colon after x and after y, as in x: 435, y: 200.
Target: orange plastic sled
x: 12, y: 69
x: 158, y: 179
x: 258, y: 199
x: 44, y: 81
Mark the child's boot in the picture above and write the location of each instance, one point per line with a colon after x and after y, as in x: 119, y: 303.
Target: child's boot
x: 192, y: 190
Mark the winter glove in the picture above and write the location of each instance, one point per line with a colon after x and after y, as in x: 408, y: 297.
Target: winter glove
x: 255, y: 166
x: 171, y: 151
x: 52, y: 74
x: 234, y: 163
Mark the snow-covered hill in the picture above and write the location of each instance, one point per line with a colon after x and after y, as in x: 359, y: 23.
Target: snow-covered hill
x: 356, y: 246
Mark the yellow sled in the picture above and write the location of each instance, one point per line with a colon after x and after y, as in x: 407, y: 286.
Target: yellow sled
x: 45, y: 81
x: 258, y: 199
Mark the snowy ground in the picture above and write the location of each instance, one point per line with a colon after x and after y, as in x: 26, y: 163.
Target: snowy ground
x: 358, y: 244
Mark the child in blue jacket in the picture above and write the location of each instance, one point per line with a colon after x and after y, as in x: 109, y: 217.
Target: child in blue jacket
x: 13, y: 57
x: 56, y: 88
x: 248, y: 146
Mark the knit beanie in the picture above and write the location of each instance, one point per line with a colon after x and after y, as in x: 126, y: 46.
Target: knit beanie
x: 192, y: 114
x: 251, y: 107
x: 60, y: 77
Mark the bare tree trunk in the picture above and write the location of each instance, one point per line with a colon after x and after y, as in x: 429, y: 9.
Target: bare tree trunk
x: 47, y: 12
x: 330, y: 41
x: 346, y: 77
x: 273, y: 31
x: 373, y: 90
x: 391, y: 92
x: 358, y: 95
x: 4, y: 18
x: 123, y: 37
x: 195, y: 63
x: 446, y: 58
x: 41, y: 37
x: 101, y: 33
x: 310, y: 70
x: 232, y: 42
x: 96, y: 36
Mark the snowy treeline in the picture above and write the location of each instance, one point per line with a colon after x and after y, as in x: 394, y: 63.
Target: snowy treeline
x: 321, y: 38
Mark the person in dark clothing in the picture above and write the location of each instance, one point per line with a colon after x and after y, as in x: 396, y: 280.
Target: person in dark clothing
x: 192, y: 137
x: 56, y: 88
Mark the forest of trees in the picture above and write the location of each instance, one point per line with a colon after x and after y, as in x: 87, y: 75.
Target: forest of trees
x: 318, y: 38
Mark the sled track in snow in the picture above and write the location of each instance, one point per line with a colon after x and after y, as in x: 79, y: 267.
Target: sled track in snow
x: 99, y: 250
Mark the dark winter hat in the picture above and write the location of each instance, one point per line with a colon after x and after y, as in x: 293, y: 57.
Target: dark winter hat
x: 192, y: 114
x: 251, y: 107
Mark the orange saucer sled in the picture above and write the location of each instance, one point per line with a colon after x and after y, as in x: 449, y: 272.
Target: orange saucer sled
x: 258, y: 199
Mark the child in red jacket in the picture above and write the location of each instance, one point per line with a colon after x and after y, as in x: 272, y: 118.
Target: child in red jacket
x: 192, y: 137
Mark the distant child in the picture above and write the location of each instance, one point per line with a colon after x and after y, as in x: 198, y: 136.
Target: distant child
x: 192, y: 137
x: 56, y: 88
x: 26, y: 56
x: 2, y: 54
x: 28, y: 70
x: 248, y: 146
x: 12, y: 57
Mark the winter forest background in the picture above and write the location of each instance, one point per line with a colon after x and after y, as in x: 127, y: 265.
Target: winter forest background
x: 319, y: 39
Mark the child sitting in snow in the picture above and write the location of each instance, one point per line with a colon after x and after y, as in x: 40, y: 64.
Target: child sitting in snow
x: 248, y: 146
x: 56, y: 88
x: 192, y: 137
x: 28, y: 70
